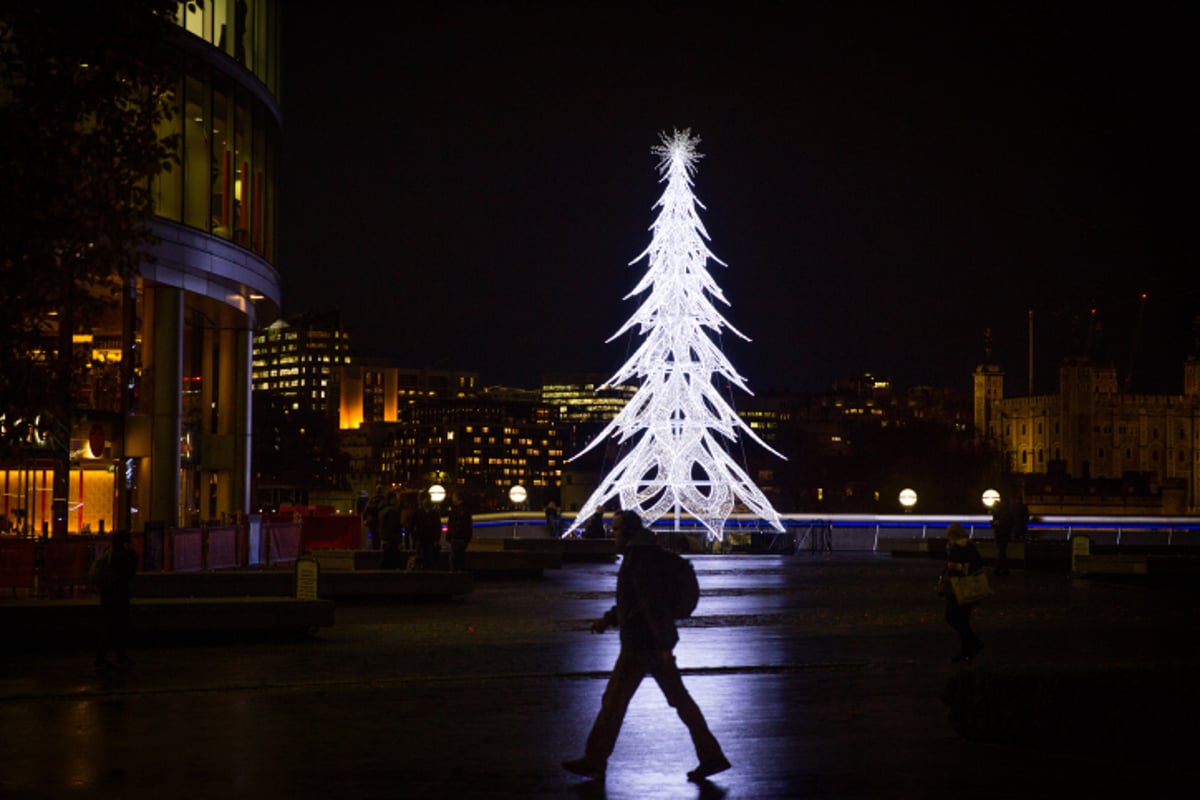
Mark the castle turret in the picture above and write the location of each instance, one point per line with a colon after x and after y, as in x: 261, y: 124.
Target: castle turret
x: 1191, y: 367
x: 989, y: 389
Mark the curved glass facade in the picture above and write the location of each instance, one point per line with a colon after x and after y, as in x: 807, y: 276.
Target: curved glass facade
x: 185, y: 453
x: 245, y: 30
x: 228, y: 126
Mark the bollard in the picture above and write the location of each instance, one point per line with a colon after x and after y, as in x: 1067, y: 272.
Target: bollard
x: 1080, y: 546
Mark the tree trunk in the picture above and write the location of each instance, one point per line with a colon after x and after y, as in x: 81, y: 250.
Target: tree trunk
x: 62, y: 413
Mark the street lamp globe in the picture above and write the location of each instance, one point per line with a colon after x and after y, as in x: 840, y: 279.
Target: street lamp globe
x: 908, y: 499
x: 990, y: 498
x: 517, y: 494
x: 437, y: 493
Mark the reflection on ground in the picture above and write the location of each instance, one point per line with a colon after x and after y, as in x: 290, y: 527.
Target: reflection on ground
x: 820, y: 675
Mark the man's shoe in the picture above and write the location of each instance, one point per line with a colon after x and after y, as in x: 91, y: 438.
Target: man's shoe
x: 710, y: 767
x: 581, y: 766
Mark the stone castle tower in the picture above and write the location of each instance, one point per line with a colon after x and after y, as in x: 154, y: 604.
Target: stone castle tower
x: 1089, y: 448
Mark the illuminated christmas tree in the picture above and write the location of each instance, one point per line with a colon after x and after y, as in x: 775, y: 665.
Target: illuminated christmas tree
x: 678, y: 422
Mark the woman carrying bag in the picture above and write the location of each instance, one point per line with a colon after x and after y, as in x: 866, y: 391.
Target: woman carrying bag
x: 962, y: 561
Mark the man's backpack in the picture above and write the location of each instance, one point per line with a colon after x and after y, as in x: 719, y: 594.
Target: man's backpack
x: 680, y: 585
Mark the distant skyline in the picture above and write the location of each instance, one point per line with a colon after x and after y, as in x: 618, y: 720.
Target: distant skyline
x: 468, y: 183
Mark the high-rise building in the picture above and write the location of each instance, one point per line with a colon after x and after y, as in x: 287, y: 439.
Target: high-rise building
x: 299, y: 362
x: 161, y: 428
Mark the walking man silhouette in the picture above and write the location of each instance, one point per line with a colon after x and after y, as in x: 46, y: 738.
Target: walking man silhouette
x: 648, y: 636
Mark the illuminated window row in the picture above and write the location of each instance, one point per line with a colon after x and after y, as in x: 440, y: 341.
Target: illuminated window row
x: 228, y: 144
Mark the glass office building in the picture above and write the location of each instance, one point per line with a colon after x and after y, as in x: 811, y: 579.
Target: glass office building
x: 162, y: 403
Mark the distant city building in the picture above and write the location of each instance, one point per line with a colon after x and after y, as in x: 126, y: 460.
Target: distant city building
x: 369, y: 392
x: 298, y: 362
x: 765, y: 415
x: 297, y: 368
x: 375, y: 390
x: 482, y: 445
x: 1091, y: 449
x: 582, y: 406
x: 578, y: 398
x: 417, y: 383
x: 846, y: 446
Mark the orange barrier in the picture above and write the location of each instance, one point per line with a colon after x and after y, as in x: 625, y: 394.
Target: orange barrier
x: 17, y: 564
x: 341, y: 532
x: 187, y: 550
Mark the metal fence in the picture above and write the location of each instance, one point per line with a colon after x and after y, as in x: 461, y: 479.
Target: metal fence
x: 869, y: 532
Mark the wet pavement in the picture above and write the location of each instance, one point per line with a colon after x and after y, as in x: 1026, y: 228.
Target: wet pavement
x: 822, y: 676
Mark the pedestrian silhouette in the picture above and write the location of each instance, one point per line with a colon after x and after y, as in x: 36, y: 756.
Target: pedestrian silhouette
x: 408, y: 511
x: 1003, y: 525
x: 427, y: 530
x: 390, y: 532
x: 552, y: 519
x: 1020, y: 519
x: 961, y: 559
x: 113, y: 573
x: 648, y: 637
x: 460, y: 527
x: 370, y: 515
x: 595, y: 526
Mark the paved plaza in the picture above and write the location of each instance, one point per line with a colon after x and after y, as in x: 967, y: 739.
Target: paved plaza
x: 822, y: 676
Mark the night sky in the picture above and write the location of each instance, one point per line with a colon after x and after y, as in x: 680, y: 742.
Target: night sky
x: 467, y: 182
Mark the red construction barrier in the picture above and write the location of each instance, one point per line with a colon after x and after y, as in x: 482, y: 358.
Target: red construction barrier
x: 342, y: 532
x: 308, y: 511
x: 155, y: 555
x: 16, y: 564
x: 222, y: 549
x: 281, y: 542
x: 187, y: 550
x: 139, y: 547
x: 65, y: 564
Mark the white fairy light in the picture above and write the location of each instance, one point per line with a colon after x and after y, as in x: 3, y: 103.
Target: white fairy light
x: 678, y: 464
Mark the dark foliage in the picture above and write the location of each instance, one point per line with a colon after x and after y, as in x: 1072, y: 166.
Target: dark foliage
x: 83, y: 91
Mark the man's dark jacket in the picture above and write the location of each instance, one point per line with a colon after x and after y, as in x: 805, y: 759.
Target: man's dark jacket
x: 642, y: 611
